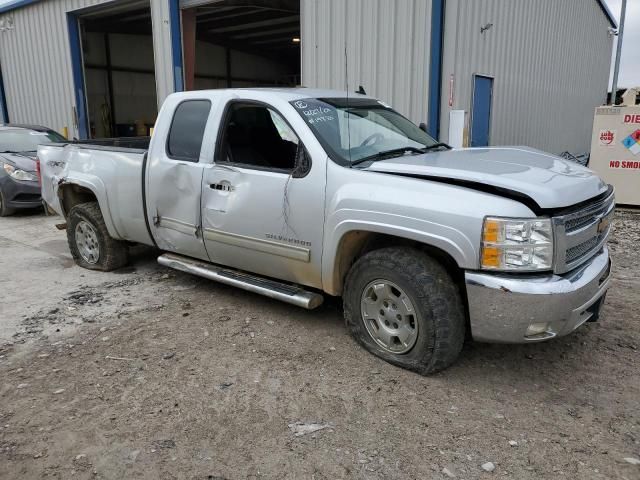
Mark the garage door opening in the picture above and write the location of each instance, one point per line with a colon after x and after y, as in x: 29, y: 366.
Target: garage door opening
x: 117, y: 49
x: 236, y: 43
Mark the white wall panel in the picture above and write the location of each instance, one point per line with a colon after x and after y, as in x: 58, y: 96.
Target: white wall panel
x: 36, y: 64
x: 550, y: 61
x: 387, y: 45
x: 36, y: 60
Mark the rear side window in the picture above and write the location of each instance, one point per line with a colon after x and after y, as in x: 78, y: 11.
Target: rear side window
x: 187, y: 130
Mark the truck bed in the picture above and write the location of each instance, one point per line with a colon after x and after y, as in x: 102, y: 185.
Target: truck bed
x: 112, y: 169
x: 135, y: 143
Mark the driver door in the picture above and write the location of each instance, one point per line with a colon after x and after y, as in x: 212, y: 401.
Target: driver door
x: 263, y: 199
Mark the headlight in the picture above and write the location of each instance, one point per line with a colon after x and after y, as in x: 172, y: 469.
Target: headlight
x: 19, y: 174
x: 523, y: 245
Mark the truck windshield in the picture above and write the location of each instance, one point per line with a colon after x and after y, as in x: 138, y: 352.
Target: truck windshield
x: 356, y: 130
x: 26, y: 140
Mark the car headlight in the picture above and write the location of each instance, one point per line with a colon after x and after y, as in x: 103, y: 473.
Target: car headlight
x: 512, y: 244
x: 18, y: 174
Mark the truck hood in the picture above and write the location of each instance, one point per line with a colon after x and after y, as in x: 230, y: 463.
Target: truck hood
x: 550, y: 181
x: 21, y: 162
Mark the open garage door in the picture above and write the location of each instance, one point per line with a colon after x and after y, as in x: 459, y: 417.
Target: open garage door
x: 239, y: 43
x: 117, y: 49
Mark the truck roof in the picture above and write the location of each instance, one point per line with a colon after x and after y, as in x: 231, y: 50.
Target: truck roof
x: 298, y: 93
x: 288, y: 94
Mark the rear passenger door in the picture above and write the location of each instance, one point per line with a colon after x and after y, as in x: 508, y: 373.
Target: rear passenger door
x: 174, y: 179
x: 263, y: 199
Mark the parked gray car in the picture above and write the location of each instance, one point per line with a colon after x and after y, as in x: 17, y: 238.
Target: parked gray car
x: 19, y: 186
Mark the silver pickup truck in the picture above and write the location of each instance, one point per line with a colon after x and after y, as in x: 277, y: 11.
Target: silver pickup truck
x: 298, y: 193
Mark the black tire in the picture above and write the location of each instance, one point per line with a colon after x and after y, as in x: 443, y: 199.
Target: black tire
x: 113, y: 254
x: 4, y: 210
x: 435, y: 297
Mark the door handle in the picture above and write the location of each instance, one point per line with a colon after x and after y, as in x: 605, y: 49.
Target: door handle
x: 223, y: 187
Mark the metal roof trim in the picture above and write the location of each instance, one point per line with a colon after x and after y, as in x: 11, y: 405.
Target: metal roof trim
x: 608, y: 13
x: 15, y: 4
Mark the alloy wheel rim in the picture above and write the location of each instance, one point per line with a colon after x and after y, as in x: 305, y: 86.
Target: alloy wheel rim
x: 389, y: 316
x: 87, y: 242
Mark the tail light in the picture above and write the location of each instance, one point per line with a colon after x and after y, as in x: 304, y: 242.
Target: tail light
x: 38, y: 172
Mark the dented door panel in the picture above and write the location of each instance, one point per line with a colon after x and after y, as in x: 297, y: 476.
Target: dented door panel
x: 174, y: 206
x: 174, y: 185
x: 264, y: 220
x: 259, y: 221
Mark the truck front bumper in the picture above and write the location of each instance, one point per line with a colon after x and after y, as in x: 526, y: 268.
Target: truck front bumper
x: 532, y: 308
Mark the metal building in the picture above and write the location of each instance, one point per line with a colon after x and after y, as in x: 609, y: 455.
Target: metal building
x: 518, y: 72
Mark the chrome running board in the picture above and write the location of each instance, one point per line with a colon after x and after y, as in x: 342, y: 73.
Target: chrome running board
x: 263, y: 286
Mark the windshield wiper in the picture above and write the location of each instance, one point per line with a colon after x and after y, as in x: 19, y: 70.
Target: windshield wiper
x: 437, y: 145
x: 396, y: 152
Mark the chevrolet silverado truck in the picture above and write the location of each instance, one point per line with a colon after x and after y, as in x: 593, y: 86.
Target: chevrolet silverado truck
x: 297, y: 194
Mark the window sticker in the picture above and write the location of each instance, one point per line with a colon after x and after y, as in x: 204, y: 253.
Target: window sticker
x: 316, y: 112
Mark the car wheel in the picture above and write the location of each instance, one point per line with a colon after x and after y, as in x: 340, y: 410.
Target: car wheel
x: 401, y: 305
x: 90, y: 244
x: 4, y: 210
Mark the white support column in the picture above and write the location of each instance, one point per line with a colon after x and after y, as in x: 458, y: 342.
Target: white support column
x: 162, y: 52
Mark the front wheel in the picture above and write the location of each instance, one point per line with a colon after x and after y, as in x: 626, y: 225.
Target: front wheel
x: 402, y: 305
x: 90, y: 244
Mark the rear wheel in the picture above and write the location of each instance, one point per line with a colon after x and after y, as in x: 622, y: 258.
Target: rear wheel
x: 89, y: 241
x: 403, y: 306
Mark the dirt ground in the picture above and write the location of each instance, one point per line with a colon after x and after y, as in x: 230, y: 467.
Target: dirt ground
x: 148, y: 373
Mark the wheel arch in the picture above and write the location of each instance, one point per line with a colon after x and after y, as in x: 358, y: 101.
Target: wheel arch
x: 77, y: 191
x: 353, y: 244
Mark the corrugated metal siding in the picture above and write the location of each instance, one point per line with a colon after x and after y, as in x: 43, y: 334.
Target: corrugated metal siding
x: 550, y: 61
x: 36, y: 64
x: 387, y: 45
x: 36, y: 61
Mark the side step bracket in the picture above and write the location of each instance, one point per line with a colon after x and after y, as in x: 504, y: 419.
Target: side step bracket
x: 263, y: 286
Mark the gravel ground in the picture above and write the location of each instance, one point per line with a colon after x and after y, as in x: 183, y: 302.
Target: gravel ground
x: 147, y: 373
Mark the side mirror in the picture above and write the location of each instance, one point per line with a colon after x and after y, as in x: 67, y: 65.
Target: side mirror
x: 423, y: 127
x: 303, y: 162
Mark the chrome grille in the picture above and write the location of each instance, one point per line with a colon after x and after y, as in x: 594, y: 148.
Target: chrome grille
x: 578, y: 251
x: 577, y: 223
x: 581, y: 234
